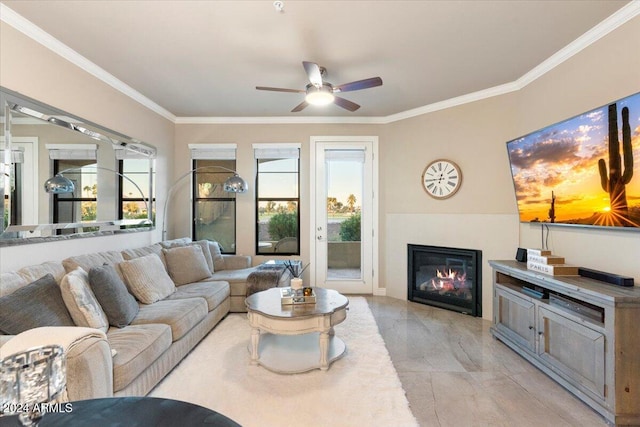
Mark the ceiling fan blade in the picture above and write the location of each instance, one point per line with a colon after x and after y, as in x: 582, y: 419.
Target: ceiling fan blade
x: 360, y: 84
x: 313, y: 71
x: 346, y: 104
x: 278, y: 89
x: 300, y: 107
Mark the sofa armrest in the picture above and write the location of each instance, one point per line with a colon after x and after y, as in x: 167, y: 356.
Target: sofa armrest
x: 89, y: 360
x: 236, y: 262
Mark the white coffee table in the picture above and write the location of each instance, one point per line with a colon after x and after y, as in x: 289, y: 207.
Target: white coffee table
x: 290, y: 339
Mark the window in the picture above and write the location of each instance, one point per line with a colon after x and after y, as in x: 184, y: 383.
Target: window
x: 214, y: 210
x: 278, y: 199
x: 12, y: 189
x: 133, y: 205
x: 81, y: 205
x: 78, y: 163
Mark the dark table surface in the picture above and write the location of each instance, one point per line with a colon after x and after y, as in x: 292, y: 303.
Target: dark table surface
x: 129, y: 412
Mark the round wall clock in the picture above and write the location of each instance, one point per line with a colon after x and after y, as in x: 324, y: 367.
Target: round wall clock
x: 441, y: 179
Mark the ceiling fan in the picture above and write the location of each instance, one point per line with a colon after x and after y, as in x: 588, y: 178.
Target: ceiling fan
x: 319, y: 92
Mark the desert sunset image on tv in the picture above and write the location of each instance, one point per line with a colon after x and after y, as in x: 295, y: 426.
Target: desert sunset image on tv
x: 582, y: 171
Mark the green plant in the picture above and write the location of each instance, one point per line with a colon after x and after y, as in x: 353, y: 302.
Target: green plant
x: 615, y: 183
x: 283, y: 224
x: 350, y: 228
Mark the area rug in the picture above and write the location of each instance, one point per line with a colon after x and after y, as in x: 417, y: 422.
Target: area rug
x: 360, y: 389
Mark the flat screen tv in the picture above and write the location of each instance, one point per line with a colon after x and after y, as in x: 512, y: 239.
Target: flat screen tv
x: 584, y: 171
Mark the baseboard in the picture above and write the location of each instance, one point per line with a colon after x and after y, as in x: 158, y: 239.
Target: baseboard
x: 380, y: 292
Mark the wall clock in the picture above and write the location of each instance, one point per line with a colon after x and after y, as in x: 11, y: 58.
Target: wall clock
x: 441, y: 179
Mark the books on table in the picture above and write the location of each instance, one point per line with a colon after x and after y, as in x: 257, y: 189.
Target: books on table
x: 543, y: 261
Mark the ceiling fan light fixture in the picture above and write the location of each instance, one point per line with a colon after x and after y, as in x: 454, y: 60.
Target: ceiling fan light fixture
x: 319, y: 96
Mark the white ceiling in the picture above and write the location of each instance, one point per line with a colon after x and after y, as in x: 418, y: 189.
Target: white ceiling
x: 204, y: 58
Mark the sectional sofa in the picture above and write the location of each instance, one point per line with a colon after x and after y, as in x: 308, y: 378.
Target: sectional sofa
x: 125, y: 318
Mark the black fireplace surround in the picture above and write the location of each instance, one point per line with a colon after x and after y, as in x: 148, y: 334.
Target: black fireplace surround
x: 448, y: 278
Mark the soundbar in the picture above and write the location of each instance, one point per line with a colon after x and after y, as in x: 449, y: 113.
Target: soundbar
x: 614, y: 279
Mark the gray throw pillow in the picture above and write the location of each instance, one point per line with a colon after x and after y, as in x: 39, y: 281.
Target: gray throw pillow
x: 112, y: 294
x: 37, y: 304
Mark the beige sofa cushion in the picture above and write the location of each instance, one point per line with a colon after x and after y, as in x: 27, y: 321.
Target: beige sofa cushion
x: 176, y: 243
x: 204, y: 244
x: 11, y: 281
x: 82, y: 304
x: 237, y: 279
x: 34, y: 272
x: 137, y: 347
x: 213, y: 292
x: 156, y: 248
x: 180, y: 314
x: 88, y: 261
x: 216, y: 255
x: 186, y: 264
x: 147, y: 279
x: 67, y: 337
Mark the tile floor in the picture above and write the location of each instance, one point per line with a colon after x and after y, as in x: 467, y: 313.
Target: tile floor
x: 456, y: 374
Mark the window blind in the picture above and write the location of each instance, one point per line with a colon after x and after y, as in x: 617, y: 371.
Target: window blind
x: 344, y: 156
x: 17, y: 155
x: 276, y: 151
x: 213, y: 151
x: 72, y: 151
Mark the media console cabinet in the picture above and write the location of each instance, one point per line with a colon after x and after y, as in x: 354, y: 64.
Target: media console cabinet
x: 583, y: 333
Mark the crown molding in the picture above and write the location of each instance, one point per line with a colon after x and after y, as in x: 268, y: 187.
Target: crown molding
x: 620, y: 17
x: 36, y: 33
x: 452, y: 102
x: 278, y: 120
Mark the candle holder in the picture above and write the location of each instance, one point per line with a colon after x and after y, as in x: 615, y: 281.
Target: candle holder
x: 30, y: 380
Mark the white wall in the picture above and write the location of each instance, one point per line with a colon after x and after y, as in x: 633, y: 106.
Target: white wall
x: 32, y: 70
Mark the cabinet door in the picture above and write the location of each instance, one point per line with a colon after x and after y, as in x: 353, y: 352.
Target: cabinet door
x: 515, y: 317
x: 573, y: 348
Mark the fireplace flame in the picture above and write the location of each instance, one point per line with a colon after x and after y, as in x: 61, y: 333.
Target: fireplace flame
x: 449, y: 280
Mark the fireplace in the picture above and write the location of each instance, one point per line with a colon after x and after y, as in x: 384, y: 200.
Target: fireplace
x: 448, y: 278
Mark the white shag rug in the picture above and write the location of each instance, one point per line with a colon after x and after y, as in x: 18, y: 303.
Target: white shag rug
x: 360, y: 389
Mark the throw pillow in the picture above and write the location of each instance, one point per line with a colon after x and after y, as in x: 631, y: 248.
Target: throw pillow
x: 112, y: 294
x: 82, y: 304
x: 183, y: 241
x: 186, y: 264
x: 37, y: 304
x: 216, y: 254
x: 204, y: 244
x: 147, y: 279
x: 156, y: 248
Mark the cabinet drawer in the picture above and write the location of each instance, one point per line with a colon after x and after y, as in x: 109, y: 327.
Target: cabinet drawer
x: 573, y: 349
x: 515, y: 317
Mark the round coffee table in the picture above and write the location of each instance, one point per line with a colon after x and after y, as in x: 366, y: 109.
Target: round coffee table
x: 290, y: 339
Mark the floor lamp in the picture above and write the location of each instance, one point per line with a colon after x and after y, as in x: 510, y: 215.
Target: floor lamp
x: 233, y: 184
x: 60, y: 184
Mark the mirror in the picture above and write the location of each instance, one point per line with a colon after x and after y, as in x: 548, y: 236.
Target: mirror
x: 108, y: 176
